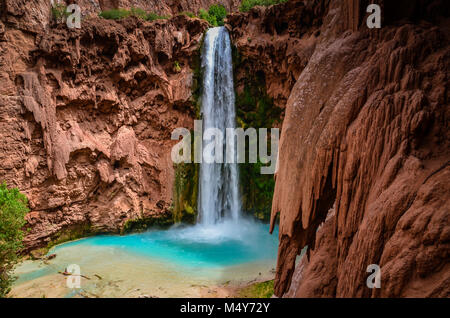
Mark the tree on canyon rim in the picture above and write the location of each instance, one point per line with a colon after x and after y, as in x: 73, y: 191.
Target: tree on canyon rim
x: 13, y: 208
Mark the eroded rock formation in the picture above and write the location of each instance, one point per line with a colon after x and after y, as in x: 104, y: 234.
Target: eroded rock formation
x: 87, y: 115
x: 365, y: 140
x: 275, y: 43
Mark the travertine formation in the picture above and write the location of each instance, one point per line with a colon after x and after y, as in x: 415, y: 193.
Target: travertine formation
x: 365, y: 140
x: 87, y: 115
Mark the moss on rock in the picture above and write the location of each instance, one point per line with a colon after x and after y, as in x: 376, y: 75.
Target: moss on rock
x: 71, y: 233
x: 144, y: 223
x: 256, y: 109
x: 257, y: 290
x: 185, y: 192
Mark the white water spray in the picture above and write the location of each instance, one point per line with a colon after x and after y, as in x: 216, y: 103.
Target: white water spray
x: 219, y: 182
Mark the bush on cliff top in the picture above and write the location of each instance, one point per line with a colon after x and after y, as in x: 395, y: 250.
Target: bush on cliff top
x: 214, y: 16
x: 246, y: 5
x: 13, y: 207
x: 59, y: 12
x: 219, y: 12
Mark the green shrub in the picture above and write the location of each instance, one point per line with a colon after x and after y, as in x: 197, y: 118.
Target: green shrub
x: 153, y: 16
x: 59, y: 12
x: 219, y: 12
x: 246, y: 5
x: 176, y: 67
x: 115, y: 14
x: 188, y: 13
x: 211, y: 19
x: 138, y: 12
x: 13, y: 207
x: 214, y: 16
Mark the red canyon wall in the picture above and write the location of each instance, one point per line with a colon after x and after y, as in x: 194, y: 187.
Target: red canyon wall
x: 364, y: 169
x: 86, y: 117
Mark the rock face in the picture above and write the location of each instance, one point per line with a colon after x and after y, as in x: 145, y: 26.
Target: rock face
x: 275, y: 43
x: 364, y: 156
x: 86, y: 118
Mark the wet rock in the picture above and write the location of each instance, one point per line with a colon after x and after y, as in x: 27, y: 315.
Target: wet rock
x: 50, y: 257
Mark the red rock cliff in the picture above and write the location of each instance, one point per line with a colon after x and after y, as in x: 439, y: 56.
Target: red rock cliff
x: 86, y: 117
x: 364, y: 169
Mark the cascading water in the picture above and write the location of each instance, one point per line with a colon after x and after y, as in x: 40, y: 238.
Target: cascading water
x: 218, y: 184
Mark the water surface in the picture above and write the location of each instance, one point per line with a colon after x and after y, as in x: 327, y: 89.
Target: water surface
x: 182, y: 261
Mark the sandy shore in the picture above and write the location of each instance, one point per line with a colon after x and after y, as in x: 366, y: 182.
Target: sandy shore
x: 132, y: 279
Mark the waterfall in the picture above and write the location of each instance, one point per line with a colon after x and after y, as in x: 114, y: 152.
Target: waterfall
x: 219, y: 183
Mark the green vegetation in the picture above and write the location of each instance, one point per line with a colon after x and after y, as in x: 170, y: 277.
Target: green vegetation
x: 203, y: 14
x: 176, y: 67
x: 117, y: 14
x: 219, y: 12
x: 254, y: 108
x: 186, y: 190
x: 246, y: 5
x: 153, y: 16
x: 215, y: 15
x: 140, y: 13
x: 13, y: 207
x: 59, y: 12
x: 197, y: 80
x: 258, y: 290
x: 68, y: 234
x: 188, y: 13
